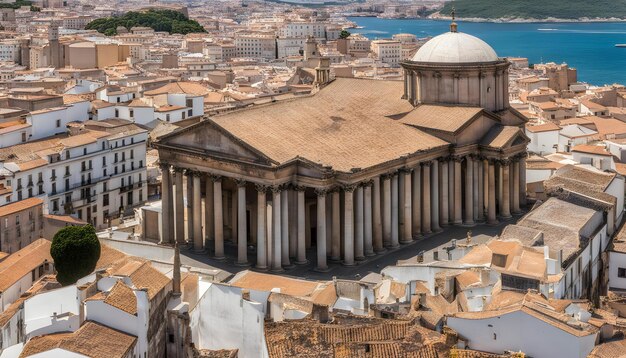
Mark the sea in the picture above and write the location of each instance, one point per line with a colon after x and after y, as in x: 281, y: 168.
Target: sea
x: 587, y: 46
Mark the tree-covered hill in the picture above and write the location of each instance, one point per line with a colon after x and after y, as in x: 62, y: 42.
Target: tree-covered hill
x: 160, y: 20
x: 537, y: 9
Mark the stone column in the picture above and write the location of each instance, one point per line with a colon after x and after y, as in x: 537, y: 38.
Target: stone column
x: 209, y: 230
x: 451, y: 198
x: 434, y: 196
x: 293, y: 223
x: 242, y: 228
x: 377, y: 217
x: 307, y: 225
x: 458, y: 211
x: 445, y: 209
x: 407, y: 235
x: 197, y: 214
x: 367, y: 219
x: 301, y: 255
x: 475, y: 185
x: 277, y: 251
x: 491, y: 196
x: 348, y: 231
x: 505, y: 209
x: 469, y: 188
x: 233, y: 216
x: 179, y: 206
x: 426, y: 218
x: 515, y: 195
x: 167, y: 206
x: 486, y: 193
x: 218, y: 218
x: 189, y: 206
x: 481, y: 188
x: 386, y: 209
x: 284, y: 230
x: 416, y: 204
x: 359, y: 215
x: 261, y: 240
x: 321, y: 230
x: 499, y: 175
x: 395, y: 220
x: 522, y: 180
x: 335, y: 249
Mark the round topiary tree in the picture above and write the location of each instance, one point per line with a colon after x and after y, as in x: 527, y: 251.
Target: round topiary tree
x: 75, y: 251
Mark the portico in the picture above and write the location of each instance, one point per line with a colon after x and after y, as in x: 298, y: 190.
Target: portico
x: 359, y: 167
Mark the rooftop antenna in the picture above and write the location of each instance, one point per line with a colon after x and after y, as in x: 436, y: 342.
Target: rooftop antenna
x: 453, y: 25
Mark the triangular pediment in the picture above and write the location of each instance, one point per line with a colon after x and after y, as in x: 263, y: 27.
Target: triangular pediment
x: 210, y: 139
x: 502, y: 137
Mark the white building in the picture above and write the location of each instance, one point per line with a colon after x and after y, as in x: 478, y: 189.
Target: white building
x: 532, y: 326
x: 96, y: 173
x: 256, y: 45
x: 387, y: 51
x: 543, y: 138
x: 304, y: 30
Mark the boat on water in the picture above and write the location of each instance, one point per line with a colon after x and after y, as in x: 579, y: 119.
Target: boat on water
x: 620, y: 45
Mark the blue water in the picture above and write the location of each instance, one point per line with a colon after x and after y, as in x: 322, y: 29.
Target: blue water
x: 589, y: 47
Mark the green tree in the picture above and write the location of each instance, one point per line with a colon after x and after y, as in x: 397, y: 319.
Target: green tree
x: 344, y: 34
x: 75, y: 251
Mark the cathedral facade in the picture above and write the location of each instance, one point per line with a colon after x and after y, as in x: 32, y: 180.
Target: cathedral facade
x: 355, y: 168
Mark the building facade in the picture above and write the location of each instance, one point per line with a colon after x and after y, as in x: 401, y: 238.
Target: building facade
x: 353, y: 169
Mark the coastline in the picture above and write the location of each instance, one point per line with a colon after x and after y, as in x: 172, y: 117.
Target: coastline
x: 510, y: 20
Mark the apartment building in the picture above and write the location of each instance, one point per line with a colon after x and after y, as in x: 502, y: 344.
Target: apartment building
x: 261, y: 45
x: 95, y: 172
x: 20, y: 224
x: 387, y: 51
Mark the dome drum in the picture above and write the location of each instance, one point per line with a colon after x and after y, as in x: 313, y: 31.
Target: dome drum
x: 457, y: 69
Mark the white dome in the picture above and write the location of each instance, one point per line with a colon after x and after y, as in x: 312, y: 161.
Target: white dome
x: 455, y: 47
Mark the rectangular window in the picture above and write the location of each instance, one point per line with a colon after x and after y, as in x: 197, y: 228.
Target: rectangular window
x: 58, y: 123
x: 105, y: 200
x: 621, y: 272
x: 131, y: 113
x: 104, y: 161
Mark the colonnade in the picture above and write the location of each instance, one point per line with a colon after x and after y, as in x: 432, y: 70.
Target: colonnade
x: 344, y: 222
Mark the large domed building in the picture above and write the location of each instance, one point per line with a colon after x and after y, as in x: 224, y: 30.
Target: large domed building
x: 352, y: 169
x: 457, y: 68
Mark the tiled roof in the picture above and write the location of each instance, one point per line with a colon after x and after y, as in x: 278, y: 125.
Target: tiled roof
x: 122, y: 297
x: 319, y: 292
x: 346, y: 125
x: 92, y: 339
x: 500, y: 136
x: 615, y: 349
x: 22, y: 262
x: 444, y: 118
x: 142, y: 275
x: 591, y: 149
x: 543, y: 128
x: 180, y: 87
x: 18, y: 206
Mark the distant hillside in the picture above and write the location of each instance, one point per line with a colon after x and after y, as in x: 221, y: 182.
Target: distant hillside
x: 160, y: 20
x: 537, y: 9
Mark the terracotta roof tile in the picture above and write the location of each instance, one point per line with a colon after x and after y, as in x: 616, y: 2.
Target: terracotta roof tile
x: 92, y: 339
x: 122, y: 297
x: 22, y: 262
x: 18, y: 206
x: 354, y: 132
